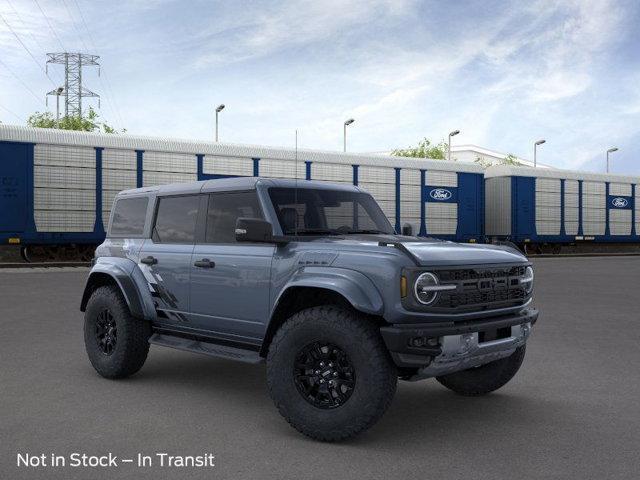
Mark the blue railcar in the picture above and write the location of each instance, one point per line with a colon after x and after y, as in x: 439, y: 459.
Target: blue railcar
x: 58, y: 186
x: 548, y: 208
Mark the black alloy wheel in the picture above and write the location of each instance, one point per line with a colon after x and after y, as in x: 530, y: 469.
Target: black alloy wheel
x: 324, y: 375
x: 106, y: 332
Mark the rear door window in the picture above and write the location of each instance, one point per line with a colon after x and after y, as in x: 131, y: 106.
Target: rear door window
x: 128, y: 217
x: 176, y: 219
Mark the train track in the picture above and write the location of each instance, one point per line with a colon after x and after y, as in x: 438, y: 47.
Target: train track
x: 43, y: 264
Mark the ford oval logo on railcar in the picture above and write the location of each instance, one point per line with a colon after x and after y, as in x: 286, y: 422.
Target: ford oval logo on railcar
x: 619, y: 202
x: 440, y: 194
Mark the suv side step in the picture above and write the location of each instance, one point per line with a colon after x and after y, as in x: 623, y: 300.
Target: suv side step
x: 205, y: 348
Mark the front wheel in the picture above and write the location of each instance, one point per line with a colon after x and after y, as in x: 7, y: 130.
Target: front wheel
x: 329, y: 373
x: 485, y: 378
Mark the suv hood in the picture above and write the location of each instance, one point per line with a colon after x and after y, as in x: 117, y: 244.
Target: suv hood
x: 449, y: 253
x: 431, y: 252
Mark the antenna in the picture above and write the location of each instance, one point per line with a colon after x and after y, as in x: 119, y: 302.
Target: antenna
x: 295, y: 191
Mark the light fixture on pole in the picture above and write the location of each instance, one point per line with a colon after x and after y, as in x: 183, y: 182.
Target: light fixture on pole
x: 219, y: 108
x: 57, y: 92
x: 535, y: 151
x: 611, y: 150
x: 344, y: 137
x: 451, y: 134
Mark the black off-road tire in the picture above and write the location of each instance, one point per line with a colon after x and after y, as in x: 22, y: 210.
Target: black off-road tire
x: 131, y: 345
x: 375, y: 374
x: 485, y: 378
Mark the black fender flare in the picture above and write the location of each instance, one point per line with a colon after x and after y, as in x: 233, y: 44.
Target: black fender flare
x: 129, y: 279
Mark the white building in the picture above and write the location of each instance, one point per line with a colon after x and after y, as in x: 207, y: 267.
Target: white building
x: 471, y: 153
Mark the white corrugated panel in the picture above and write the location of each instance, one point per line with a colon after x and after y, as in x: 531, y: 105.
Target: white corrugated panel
x: 571, y: 204
x: 65, y: 199
x: 620, y: 221
x: 169, y: 162
x: 410, y: 177
x: 380, y: 191
x: 548, y: 206
x: 118, y: 159
x: 216, y: 165
x: 367, y: 174
x: 623, y: 189
x: 498, y: 206
x: 441, y: 218
x: 594, y: 208
x: 64, y: 181
x: 441, y: 179
x: 282, y: 169
x: 64, y: 156
x: 119, y: 179
x: 64, y: 220
x: 131, y: 142
x: 163, y: 178
x: 332, y: 172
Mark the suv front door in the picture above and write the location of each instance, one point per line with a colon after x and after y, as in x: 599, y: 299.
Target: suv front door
x: 230, y: 281
x: 165, y: 258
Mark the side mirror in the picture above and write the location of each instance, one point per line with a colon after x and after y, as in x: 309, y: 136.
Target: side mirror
x: 407, y: 230
x: 253, y: 230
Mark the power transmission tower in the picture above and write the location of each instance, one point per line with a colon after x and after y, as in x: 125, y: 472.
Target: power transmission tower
x: 73, y: 91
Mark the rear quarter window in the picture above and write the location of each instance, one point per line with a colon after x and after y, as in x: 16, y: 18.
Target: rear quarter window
x: 129, y: 215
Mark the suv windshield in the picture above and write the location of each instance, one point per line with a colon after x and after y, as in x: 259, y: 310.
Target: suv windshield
x: 309, y: 211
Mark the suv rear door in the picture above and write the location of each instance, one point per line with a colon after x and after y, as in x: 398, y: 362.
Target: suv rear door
x: 166, y: 257
x: 230, y: 281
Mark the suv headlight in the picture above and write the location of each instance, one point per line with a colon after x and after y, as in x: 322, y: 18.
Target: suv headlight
x: 527, y: 280
x: 427, y: 287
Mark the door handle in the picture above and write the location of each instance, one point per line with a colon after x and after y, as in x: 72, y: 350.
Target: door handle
x: 204, y: 263
x: 149, y: 260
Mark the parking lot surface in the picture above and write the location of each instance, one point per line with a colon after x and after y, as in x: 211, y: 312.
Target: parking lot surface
x: 571, y: 412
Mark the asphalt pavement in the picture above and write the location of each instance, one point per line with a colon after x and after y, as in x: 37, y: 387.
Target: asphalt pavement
x: 573, y: 410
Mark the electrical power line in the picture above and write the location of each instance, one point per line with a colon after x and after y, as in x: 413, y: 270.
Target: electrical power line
x: 106, y: 85
x: 24, y: 25
x: 75, y: 26
x: 12, y: 113
x: 50, y: 26
x: 27, y: 49
x: 21, y: 81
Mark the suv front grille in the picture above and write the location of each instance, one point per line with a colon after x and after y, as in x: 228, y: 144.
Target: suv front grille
x: 482, y: 288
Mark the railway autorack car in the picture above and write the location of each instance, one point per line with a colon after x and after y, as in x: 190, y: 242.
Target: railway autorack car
x: 58, y: 186
x: 545, y: 210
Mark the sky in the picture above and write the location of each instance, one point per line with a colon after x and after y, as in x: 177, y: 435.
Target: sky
x: 504, y: 73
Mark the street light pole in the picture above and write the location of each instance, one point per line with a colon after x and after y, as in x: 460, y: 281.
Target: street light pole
x: 611, y: 150
x: 451, y: 134
x: 219, y: 108
x: 344, y: 136
x: 59, y: 90
x: 535, y: 151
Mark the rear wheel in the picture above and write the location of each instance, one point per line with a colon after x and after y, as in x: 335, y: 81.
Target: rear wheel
x: 329, y: 373
x: 485, y: 378
x: 117, y: 343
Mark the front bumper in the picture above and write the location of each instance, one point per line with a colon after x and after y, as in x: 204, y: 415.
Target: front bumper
x: 445, y: 347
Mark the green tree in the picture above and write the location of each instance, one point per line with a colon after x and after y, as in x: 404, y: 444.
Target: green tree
x: 425, y: 149
x: 510, y: 159
x: 87, y: 123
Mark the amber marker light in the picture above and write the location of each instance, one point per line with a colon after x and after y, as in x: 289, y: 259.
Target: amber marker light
x: 403, y: 286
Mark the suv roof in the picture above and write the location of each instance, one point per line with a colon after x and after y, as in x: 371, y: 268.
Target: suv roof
x: 237, y: 183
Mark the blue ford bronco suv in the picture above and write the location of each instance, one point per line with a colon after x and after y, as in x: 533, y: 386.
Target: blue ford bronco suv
x: 310, y: 278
